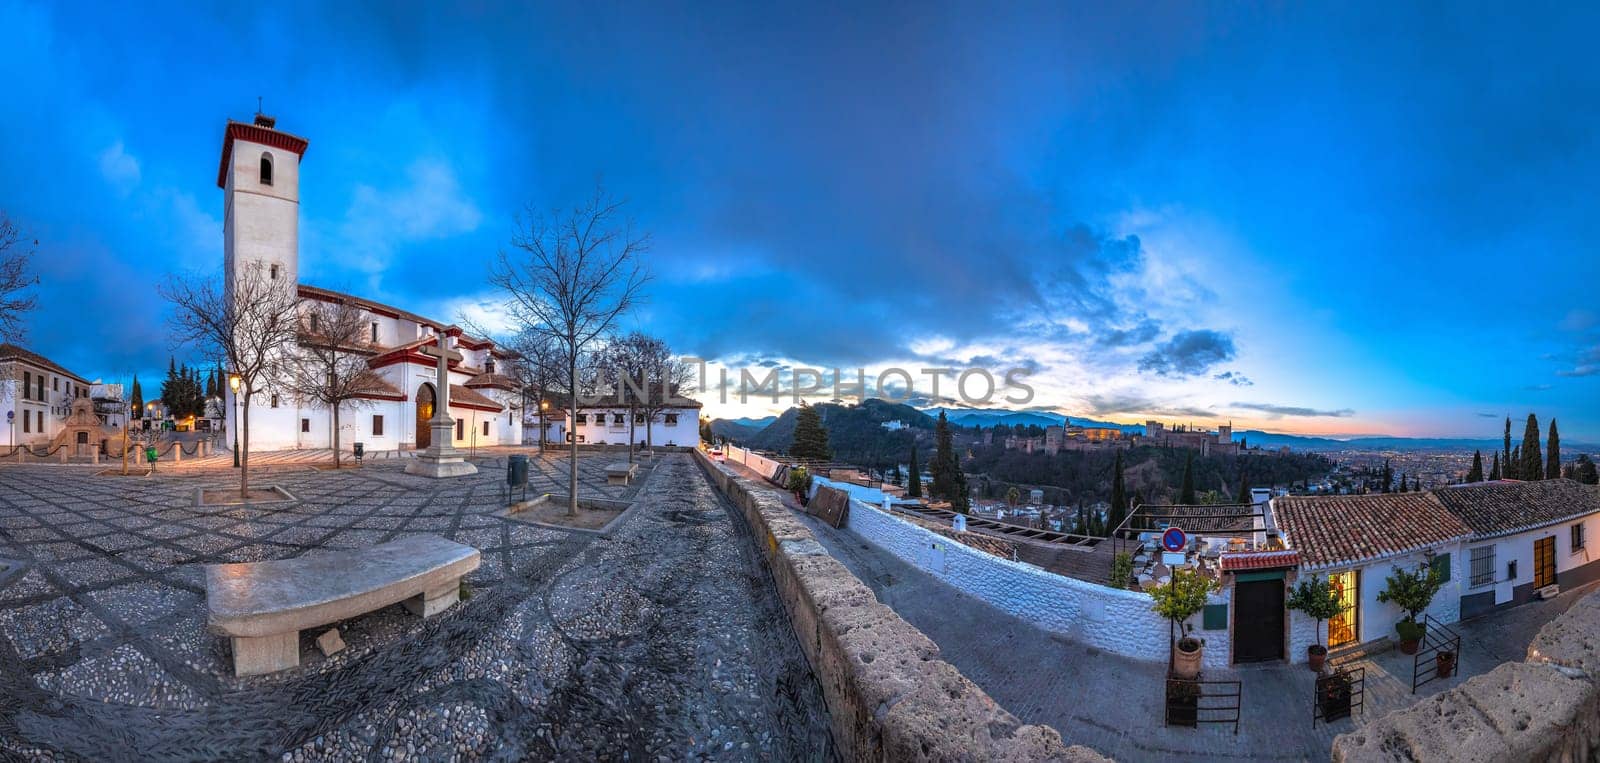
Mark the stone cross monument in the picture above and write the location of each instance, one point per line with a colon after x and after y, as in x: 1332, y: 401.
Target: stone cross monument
x: 440, y: 458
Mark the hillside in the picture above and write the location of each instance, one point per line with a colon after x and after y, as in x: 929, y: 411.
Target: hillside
x: 855, y: 432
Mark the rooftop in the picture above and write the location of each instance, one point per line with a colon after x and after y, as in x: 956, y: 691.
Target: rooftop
x: 1505, y: 507
x: 1343, y: 529
x: 13, y: 352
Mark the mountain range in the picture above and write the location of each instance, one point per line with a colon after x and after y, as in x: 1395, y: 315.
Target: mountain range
x: 770, y: 433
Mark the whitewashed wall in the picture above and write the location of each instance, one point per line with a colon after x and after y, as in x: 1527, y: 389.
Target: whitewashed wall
x: 1117, y: 621
x: 757, y: 463
x: 1377, y: 618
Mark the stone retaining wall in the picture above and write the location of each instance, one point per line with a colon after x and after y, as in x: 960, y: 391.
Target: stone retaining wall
x: 888, y: 693
x: 1544, y: 709
x: 1116, y: 620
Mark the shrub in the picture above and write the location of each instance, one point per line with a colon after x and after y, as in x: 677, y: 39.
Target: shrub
x: 1315, y: 597
x: 1181, y: 598
x: 1121, y: 570
x: 1412, y: 591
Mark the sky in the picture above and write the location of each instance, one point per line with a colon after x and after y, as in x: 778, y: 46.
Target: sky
x: 1351, y: 218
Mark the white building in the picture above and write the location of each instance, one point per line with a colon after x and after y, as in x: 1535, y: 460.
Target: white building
x: 608, y: 423
x: 1526, y: 538
x: 259, y: 176
x: 36, y: 394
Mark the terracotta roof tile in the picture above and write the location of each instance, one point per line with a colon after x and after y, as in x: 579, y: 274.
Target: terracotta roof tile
x: 1344, y: 529
x: 1499, y: 508
x: 1259, y: 560
x: 12, y: 352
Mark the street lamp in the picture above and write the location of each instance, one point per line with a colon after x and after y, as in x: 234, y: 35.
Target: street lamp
x: 233, y: 384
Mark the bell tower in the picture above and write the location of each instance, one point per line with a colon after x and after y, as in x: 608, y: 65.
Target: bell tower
x: 260, y: 181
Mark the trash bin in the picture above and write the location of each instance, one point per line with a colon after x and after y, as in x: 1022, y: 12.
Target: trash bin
x: 360, y: 450
x: 150, y: 455
x: 517, y: 470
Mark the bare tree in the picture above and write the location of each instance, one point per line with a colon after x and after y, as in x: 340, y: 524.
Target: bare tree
x: 537, y: 369
x: 14, y: 278
x: 570, y: 276
x: 646, y: 379
x: 331, y: 370
x: 252, y: 324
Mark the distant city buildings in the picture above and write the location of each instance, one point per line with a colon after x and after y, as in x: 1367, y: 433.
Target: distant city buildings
x: 1056, y: 439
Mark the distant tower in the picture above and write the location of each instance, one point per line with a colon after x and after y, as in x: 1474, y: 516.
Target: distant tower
x: 260, y: 181
x: 1225, y: 433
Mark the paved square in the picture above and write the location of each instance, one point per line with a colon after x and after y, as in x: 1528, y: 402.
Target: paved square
x: 665, y: 640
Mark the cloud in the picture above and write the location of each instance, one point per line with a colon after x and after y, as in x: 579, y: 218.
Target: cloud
x: 1189, y: 353
x: 1291, y: 410
x: 119, y: 168
x: 1488, y: 415
x: 1533, y: 388
x: 1235, y: 378
x: 1579, y: 320
x: 430, y: 205
x: 1130, y: 402
x: 1145, y: 331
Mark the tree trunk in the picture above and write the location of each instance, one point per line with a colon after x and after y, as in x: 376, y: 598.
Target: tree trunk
x: 631, y: 434
x: 244, y: 448
x: 336, y: 436
x: 649, y: 437
x: 572, y: 463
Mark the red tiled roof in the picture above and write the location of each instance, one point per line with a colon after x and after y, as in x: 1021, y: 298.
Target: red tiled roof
x: 1259, y: 560
x: 1337, y: 530
x: 467, y: 398
x: 497, y: 381
x: 1493, y: 509
x: 12, y: 352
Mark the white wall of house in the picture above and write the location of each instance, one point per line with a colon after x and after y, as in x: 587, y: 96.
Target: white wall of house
x: 1376, y: 619
x: 673, y: 427
x: 1519, y: 548
x: 44, y: 415
x: 1115, y: 620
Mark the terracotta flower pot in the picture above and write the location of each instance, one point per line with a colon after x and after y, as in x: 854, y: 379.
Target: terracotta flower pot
x: 1186, y: 663
x: 1316, y: 657
x: 1445, y: 665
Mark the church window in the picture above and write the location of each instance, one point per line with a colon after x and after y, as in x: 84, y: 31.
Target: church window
x: 377, y: 426
x: 374, y: 332
x: 266, y: 169
x: 488, y: 365
x: 313, y: 323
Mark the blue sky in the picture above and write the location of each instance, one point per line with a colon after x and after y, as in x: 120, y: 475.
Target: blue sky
x: 1338, y: 219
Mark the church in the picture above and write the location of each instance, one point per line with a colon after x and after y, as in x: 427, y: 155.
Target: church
x: 260, y: 180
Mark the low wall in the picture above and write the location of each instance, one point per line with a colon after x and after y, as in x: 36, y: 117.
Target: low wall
x: 750, y: 460
x: 1546, y: 708
x: 1116, y: 620
x: 889, y: 695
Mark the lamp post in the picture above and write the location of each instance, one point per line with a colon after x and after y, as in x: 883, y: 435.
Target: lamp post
x: 233, y: 384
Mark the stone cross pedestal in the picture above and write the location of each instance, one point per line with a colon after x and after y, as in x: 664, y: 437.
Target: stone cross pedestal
x: 440, y: 458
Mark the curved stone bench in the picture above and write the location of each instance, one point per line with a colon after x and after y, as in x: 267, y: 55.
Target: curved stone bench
x: 263, y: 606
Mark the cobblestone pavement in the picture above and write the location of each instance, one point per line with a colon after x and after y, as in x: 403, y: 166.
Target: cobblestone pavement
x: 663, y: 641
x: 1114, y: 704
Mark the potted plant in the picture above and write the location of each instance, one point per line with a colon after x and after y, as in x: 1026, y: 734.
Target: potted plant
x: 1445, y: 663
x: 1177, y: 600
x: 1411, y: 591
x: 1183, y: 702
x: 799, y: 483
x: 1333, y: 693
x: 1316, y: 597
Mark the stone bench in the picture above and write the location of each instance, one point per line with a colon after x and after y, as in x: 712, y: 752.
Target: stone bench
x: 263, y: 606
x: 621, y: 473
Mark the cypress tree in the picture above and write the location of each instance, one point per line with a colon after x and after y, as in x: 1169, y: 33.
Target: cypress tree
x: 1508, y: 465
x: 961, y: 496
x: 1475, y: 474
x: 1244, y: 486
x: 1532, y: 467
x: 1585, y: 471
x: 1119, y: 494
x: 1552, y: 464
x: 1514, y: 466
x: 945, y: 467
x: 1388, y: 476
x: 1494, y: 474
x: 137, y: 399
x: 1186, y: 493
x: 914, y: 486
x: 810, y: 438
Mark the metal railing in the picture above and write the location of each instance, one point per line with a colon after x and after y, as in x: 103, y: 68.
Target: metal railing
x: 1437, y: 639
x: 1191, y: 702
x: 1338, y: 694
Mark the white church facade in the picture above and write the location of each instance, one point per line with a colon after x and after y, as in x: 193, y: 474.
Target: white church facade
x: 259, y: 176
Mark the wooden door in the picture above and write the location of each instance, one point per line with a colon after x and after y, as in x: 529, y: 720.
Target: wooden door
x: 1544, y: 562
